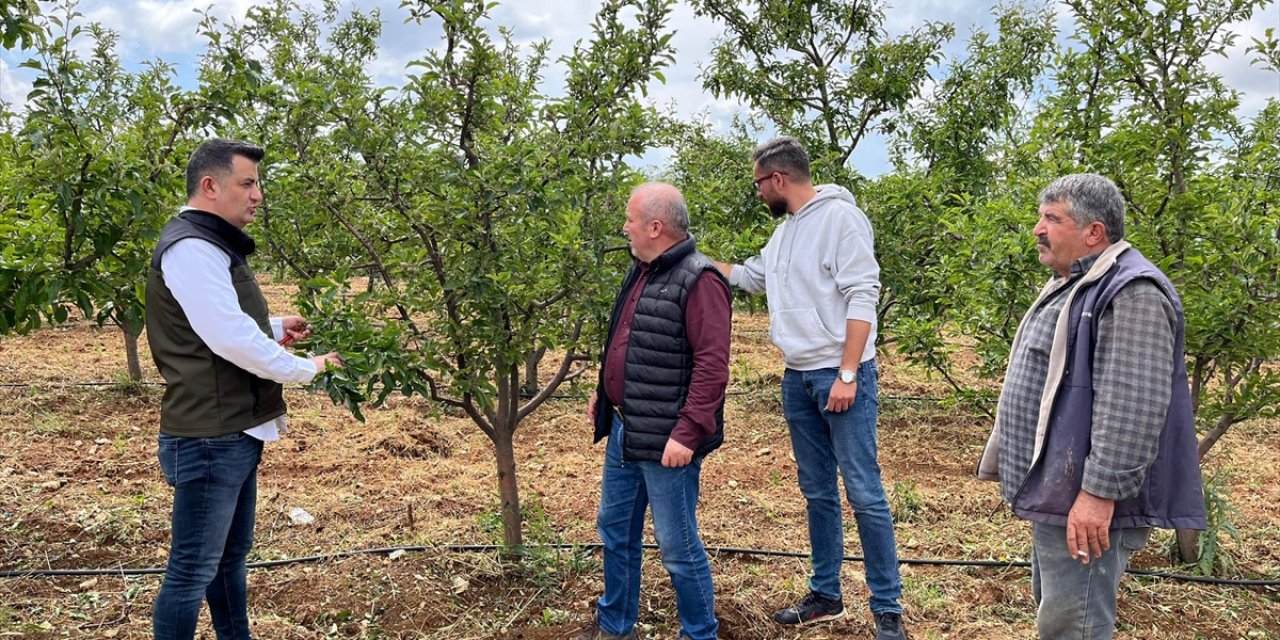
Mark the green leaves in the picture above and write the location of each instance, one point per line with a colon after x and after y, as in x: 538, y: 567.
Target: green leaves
x: 475, y: 200
x: 93, y: 177
x: 17, y: 24
x: 824, y: 72
x: 375, y: 361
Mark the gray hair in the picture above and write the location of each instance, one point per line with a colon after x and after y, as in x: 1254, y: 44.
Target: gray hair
x: 663, y: 202
x: 784, y: 155
x: 1089, y: 198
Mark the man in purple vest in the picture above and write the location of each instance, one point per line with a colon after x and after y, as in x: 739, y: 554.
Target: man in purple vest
x: 1094, y: 440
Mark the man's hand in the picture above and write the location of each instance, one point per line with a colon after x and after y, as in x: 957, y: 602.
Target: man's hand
x: 295, y: 329
x: 676, y: 455
x: 329, y: 359
x: 1088, y: 523
x: 841, y: 397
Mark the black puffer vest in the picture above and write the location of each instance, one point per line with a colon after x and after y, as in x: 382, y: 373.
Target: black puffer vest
x: 206, y: 396
x: 659, y: 358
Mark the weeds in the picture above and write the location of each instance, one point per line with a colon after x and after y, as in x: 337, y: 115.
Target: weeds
x: 543, y: 560
x: 1220, y: 516
x: 905, y: 502
x: 124, y: 385
x: 51, y: 424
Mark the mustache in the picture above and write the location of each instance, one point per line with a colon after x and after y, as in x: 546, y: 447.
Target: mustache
x: 1042, y: 240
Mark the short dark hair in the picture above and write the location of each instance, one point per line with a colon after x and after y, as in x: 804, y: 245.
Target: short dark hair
x: 784, y: 155
x: 214, y: 157
x: 1089, y: 198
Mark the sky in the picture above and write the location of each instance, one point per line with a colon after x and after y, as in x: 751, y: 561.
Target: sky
x: 167, y: 29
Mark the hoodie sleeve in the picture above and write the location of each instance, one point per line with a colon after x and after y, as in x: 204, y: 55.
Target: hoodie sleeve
x: 750, y: 275
x: 853, y: 264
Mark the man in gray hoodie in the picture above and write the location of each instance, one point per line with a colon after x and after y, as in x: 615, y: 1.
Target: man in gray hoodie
x: 820, y: 276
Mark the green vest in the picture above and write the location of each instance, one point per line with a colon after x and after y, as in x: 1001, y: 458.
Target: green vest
x: 206, y: 396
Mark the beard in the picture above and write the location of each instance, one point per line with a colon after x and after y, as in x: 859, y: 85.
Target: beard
x: 777, y: 208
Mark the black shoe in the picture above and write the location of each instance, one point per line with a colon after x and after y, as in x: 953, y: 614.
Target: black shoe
x: 889, y: 626
x: 814, y: 608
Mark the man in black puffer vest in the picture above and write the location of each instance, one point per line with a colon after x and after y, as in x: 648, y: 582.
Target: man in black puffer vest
x: 660, y: 401
x: 222, y: 357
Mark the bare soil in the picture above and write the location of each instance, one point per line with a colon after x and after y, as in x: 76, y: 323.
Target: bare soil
x: 80, y: 488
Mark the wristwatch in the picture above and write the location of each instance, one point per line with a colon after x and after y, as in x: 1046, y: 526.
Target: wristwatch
x: 846, y: 376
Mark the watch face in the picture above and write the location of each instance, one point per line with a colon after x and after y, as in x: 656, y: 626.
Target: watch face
x: 846, y: 376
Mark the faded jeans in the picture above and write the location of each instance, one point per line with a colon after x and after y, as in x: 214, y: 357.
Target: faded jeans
x: 1078, y: 601
x: 628, y: 489
x: 215, y: 491
x: 829, y: 444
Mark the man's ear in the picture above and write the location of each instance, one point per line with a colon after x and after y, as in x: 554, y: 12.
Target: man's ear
x: 655, y: 228
x: 1096, y: 233
x: 208, y: 186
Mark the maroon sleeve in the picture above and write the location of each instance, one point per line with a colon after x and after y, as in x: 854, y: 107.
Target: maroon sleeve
x: 707, y: 320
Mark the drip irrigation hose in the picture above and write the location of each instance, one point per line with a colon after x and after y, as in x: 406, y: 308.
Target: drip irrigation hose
x: 478, y: 548
x: 475, y: 548
x: 554, y: 396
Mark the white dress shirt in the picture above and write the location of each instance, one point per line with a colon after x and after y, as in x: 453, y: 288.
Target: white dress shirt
x: 198, y: 274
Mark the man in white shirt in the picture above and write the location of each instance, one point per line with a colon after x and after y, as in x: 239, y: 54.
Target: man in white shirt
x: 822, y: 281
x: 222, y: 358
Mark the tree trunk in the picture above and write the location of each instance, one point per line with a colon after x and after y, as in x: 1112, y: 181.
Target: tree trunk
x: 1188, y: 545
x: 530, y: 387
x: 132, y: 330
x: 1211, y: 438
x: 1188, y: 540
x: 504, y: 445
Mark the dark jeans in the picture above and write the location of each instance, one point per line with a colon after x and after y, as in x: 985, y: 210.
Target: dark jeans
x: 628, y: 489
x: 842, y: 445
x: 215, y: 492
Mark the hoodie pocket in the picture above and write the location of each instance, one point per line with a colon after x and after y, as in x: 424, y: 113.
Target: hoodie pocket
x: 800, y: 333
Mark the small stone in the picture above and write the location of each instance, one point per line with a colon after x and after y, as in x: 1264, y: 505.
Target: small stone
x: 298, y: 515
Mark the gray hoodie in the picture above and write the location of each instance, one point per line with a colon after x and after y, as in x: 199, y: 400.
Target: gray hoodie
x: 818, y: 270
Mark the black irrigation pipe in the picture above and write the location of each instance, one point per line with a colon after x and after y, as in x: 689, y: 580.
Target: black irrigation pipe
x: 556, y: 396
x: 476, y: 548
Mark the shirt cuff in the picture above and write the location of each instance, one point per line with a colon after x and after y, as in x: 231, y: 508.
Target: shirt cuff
x: 687, y: 434
x: 308, y: 366
x: 735, y: 275
x: 1112, y: 484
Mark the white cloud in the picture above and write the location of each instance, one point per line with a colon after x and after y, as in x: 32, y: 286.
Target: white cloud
x: 158, y: 28
x: 1256, y: 84
x: 13, y: 89
x: 167, y: 29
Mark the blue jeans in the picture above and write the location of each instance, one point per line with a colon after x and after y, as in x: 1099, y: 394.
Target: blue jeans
x: 215, y: 492
x: 828, y: 443
x: 628, y: 488
x: 1078, y: 601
